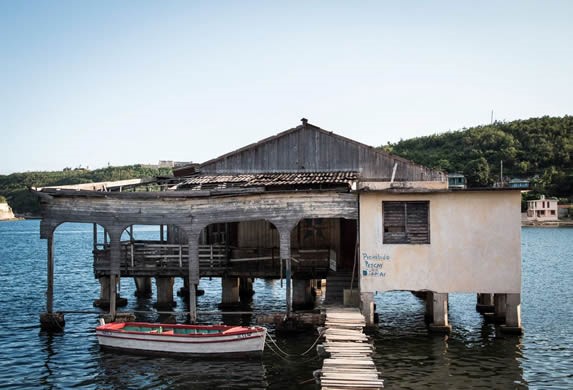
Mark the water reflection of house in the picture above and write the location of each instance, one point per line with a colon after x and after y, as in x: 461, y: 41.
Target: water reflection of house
x: 542, y: 209
x: 303, y: 205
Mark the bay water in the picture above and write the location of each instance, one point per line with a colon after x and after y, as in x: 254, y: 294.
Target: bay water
x: 474, y: 355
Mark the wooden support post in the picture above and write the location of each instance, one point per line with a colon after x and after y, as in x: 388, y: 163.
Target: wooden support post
x: 50, y: 289
x: 288, y: 281
x: 284, y: 228
x: 112, y: 296
x: 193, y: 263
x: 49, y: 320
x: 95, y: 237
x: 115, y: 255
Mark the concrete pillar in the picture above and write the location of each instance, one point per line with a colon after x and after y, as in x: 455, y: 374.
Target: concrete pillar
x: 104, y: 287
x: 429, y: 313
x: 164, y: 292
x: 143, y: 286
x: 485, y: 303
x: 367, y: 307
x: 230, y: 287
x: 500, y: 304
x: 513, y: 315
x: 440, y: 314
x: 246, y: 291
x: 302, y: 296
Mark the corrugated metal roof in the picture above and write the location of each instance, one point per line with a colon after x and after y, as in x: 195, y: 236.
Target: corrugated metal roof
x: 267, y: 180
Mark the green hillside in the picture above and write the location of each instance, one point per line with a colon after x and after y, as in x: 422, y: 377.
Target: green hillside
x: 15, y: 187
x: 538, y: 148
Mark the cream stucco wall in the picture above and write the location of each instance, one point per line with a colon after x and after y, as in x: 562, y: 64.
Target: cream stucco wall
x: 475, y: 244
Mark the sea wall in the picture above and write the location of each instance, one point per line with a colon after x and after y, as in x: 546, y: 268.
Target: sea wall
x: 6, y: 212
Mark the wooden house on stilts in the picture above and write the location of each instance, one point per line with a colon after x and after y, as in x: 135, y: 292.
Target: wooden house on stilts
x: 303, y: 205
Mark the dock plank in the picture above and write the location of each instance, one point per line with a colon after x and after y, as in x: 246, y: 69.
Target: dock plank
x: 350, y: 364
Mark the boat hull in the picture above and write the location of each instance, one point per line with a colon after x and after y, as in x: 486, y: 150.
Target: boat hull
x: 246, y: 341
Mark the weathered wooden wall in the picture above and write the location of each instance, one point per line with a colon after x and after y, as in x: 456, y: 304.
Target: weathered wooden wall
x: 192, y: 213
x: 309, y: 148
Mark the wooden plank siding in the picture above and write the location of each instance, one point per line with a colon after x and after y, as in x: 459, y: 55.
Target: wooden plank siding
x: 406, y: 222
x: 310, y: 148
x: 122, y: 210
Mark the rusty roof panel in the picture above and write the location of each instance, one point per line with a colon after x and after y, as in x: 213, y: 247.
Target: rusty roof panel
x: 267, y: 179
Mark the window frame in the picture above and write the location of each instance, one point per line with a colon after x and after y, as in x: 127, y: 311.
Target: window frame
x: 411, y: 225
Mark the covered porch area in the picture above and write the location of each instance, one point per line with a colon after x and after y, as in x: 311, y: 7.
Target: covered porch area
x: 295, y: 236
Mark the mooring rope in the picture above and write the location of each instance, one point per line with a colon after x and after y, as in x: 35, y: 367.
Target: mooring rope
x: 286, y: 354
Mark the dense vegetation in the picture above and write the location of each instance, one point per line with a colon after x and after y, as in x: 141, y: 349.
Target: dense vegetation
x: 539, y: 149
x: 15, y: 187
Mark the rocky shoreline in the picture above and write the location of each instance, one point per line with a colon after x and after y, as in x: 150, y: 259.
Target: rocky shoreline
x: 6, y: 213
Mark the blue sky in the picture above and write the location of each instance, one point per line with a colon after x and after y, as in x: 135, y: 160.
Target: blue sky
x: 87, y: 83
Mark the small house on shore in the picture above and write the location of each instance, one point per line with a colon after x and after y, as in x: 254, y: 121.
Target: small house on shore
x: 303, y: 205
x: 543, y: 209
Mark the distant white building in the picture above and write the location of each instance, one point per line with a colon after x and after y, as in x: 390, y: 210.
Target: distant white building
x: 542, y: 209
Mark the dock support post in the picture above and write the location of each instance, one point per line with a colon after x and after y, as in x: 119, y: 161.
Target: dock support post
x: 246, y: 291
x: 440, y: 314
x: 143, y: 286
x: 285, y: 227
x: 230, y: 291
x: 485, y: 303
x: 164, y: 292
x: 429, y: 313
x: 513, y: 315
x: 49, y: 320
x: 500, y: 303
x: 115, y: 260
x: 302, y: 296
x: 103, y: 301
x: 367, y: 307
x: 193, y: 241
x: 50, y: 289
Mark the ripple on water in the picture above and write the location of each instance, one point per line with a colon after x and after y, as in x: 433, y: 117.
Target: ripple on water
x: 473, y: 356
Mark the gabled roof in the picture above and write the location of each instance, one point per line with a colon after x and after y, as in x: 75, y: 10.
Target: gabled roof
x: 309, y: 148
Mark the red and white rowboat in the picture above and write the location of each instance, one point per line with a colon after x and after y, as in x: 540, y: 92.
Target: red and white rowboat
x: 182, y: 339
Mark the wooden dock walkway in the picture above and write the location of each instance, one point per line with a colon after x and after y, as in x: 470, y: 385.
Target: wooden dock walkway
x: 349, y: 365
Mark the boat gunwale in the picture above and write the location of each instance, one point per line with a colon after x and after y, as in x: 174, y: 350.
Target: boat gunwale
x: 114, y: 328
x: 168, y: 338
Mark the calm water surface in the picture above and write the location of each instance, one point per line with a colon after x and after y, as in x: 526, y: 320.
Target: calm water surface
x: 473, y: 356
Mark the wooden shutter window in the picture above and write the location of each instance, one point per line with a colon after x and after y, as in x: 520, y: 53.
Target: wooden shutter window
x: 406, y: 222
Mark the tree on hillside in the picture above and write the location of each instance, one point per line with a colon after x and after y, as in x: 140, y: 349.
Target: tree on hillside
x: 477, y: 173
x: 539, y: 148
